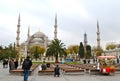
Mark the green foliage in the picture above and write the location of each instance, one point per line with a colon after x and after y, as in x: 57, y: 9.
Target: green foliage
x: 111, y: 46
x: 36, y: 54
x: 73, y: 49
x: 6, y: 52
x: 37, y: 62
x: 81, y: 51
x: 88, y: 51
x: 97, y: 51
x: 37, y: 51
x: 56, y: 48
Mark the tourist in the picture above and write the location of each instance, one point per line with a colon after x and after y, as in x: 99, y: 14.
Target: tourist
x: 57, y: 71
x: 4, y: 62
x: 88, y: 61
x: 26, y: 67
x: 11, y: 64
x: 48, y: 65
x: 117, y: 60
x: 16, y: 63
x: 21, y: 60
x: 43, y: 66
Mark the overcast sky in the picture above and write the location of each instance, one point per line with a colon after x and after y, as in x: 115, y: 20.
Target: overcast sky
x: 75, y: 17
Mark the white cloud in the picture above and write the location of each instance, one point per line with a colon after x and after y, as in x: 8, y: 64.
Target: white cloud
x: 75, y: 20
x: 69, y: 7
x: 69, y: 38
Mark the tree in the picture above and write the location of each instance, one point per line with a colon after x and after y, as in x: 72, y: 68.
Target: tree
x: 36, y: 54
x: 7, y: 51
x: 1, y: 52
x: 111, y: 46
x: 97, y: 51
x: 88, y: 51
x: 73, y: 49
x: 81, y: 51
x: 56, y: 48
x: 37, y: 51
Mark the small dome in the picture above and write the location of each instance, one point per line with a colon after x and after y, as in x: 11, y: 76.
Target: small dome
x: 38, y: 34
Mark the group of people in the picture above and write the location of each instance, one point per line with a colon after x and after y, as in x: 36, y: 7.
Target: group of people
x: 5, y: 63
x: 56, y: 69
x: 44, y: 66
x: 26, y: 65
x: 13, y: 64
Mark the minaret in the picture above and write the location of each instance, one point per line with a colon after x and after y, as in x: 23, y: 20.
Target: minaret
x: 98, y: 35
x: 18, y: 32
x: 28, y: 35
x: 55, y: 26
x: 85, y: 41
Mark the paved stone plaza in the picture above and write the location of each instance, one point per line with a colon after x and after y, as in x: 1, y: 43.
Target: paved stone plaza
x: 6, y: 76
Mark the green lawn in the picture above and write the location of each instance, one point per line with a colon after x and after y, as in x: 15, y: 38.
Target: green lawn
x: 73, y: 62
x: 41, y: 62
x: 37, y: 62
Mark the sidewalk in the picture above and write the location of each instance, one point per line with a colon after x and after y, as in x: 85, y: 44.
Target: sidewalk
x: 6, y: 76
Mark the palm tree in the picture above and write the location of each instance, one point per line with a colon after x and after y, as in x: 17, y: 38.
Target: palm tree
x: 56, y: 48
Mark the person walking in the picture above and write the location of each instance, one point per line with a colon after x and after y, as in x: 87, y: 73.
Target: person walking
x: 56, y: 71
x: 26, y: 67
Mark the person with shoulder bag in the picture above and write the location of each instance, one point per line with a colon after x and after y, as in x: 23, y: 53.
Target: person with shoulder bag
x: 26, y: 67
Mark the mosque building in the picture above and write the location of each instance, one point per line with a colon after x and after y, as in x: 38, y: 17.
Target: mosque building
x: 37, y: 39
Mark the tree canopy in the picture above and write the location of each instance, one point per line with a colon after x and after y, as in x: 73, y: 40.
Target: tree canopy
x: 37, y: 51
x: 81, y: 50
x: 111, y: 46
x: 88, y: 51
x: 56, y: 48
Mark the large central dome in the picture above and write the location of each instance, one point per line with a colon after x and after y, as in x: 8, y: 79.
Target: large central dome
x: 38, y: 38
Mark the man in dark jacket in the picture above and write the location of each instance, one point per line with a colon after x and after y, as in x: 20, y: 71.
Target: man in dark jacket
x: 57, y: 71
x: 26, y: 67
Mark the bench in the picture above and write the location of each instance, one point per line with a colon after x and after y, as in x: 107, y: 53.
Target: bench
x: 48, y: 71
x: 117, y: 70
x: 73, y: 71
x: 20, y: 71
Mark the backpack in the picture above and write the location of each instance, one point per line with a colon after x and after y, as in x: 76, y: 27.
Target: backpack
x: 26, y: 64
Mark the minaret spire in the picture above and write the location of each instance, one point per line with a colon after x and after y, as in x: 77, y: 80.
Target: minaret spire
x: 85, y: 40
x: 18, y: 32
x: 98, y: 35
x: 28, y: 35
x: 55, y: 26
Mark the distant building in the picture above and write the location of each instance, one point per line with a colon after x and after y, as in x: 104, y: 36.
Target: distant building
x: 115, y: 52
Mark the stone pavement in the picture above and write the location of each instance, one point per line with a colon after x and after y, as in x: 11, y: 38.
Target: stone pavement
x: 6, y: 76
